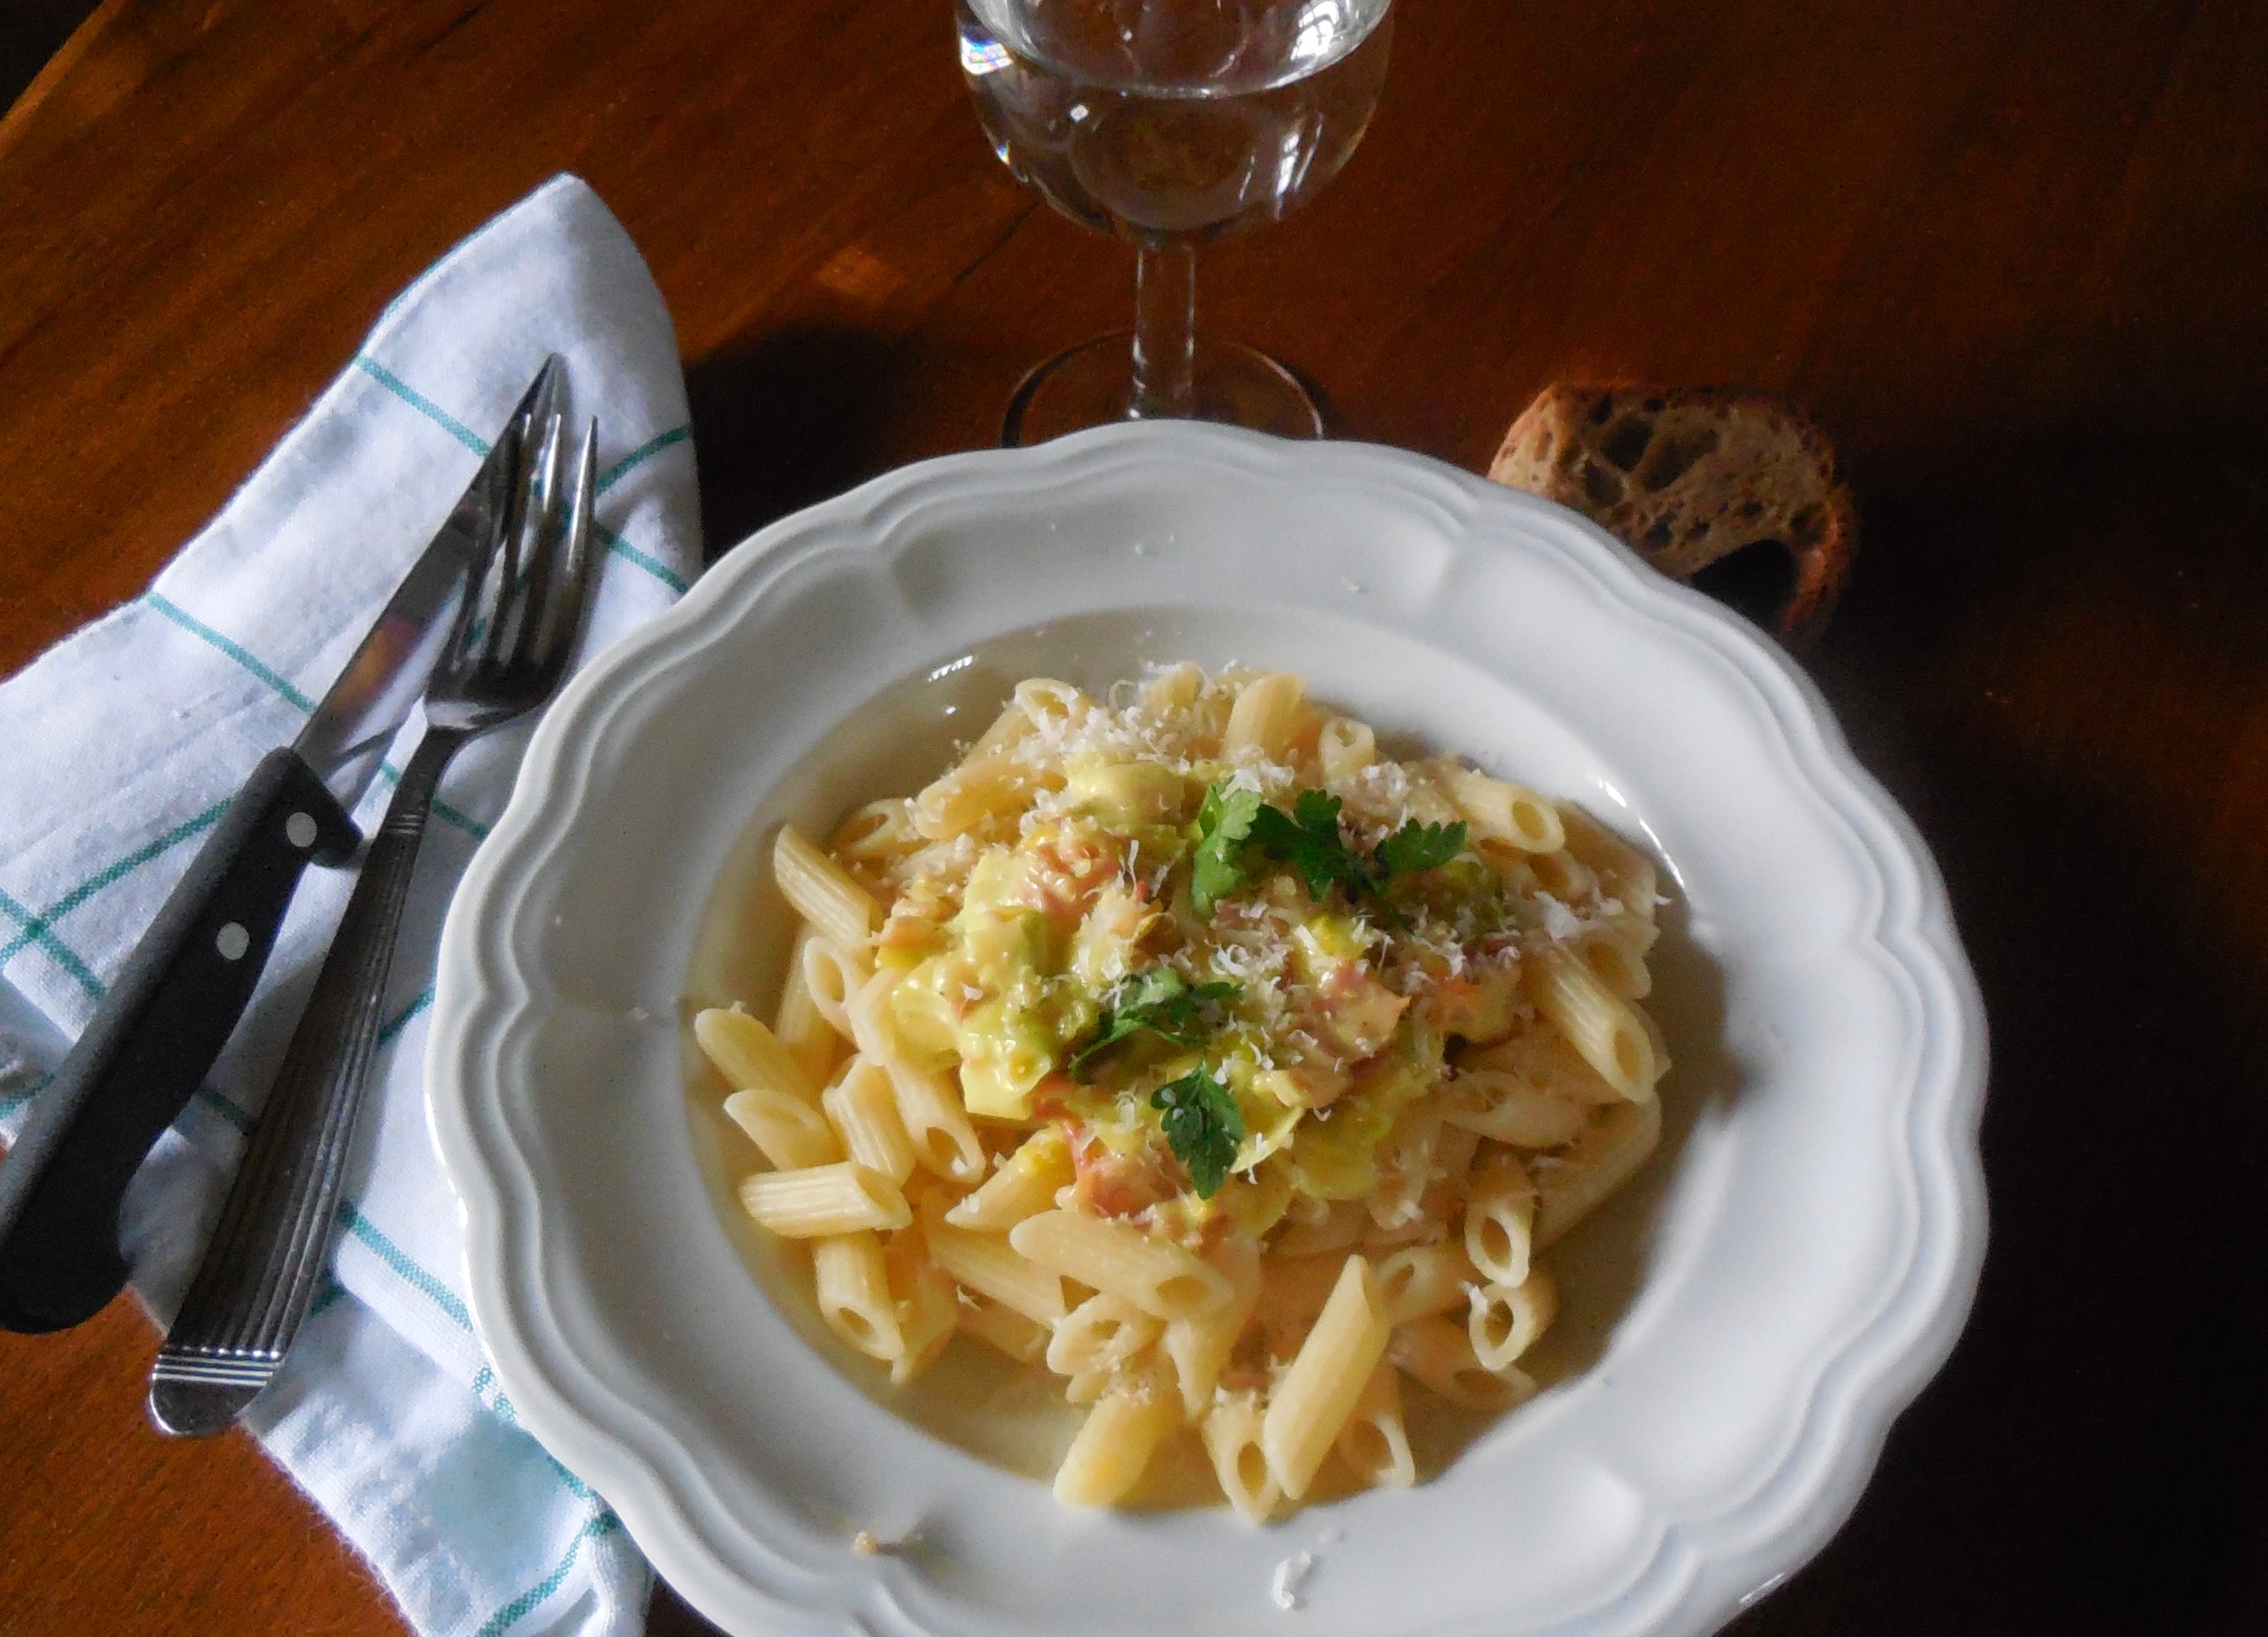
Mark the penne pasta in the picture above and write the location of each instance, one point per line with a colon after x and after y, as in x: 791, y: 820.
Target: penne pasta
x: 854, y: 1290
x: 820, y: 1201
x: 1114, y: 1445
x: 792, y: 1133
x: 1102, y: 1333
x: 1024, y: 1186
x: 1596, y: 1163
x: 1499, y: 1221
x: 1599, y: 1024
x: 1505, y: 1320
x: 1159, y: 1278
x: 1310, y: 1406
x: 1231, y: 1433
x: 1509, y: 813
x: 801, y: 1025
x: 822, y: 891
x: 749, y: 1056
x: 1003, y: 1329
x: 1179, y: 1045
x: 861, y: 1105
x: 1263, y: 721
x: 1420, y: 1279
x: 1440, y: 1354
x: 1374, y: 1444
x: 926, y: 1303
x: 990, y: 1266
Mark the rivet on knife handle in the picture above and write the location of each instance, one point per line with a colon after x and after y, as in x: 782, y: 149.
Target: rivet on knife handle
x: 161, y: 1026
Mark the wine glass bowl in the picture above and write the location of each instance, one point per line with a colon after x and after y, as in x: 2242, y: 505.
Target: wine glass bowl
x: 1168, y: 122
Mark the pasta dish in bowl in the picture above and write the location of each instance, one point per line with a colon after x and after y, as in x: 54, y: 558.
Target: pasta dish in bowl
x: 1288, y: 1058
x: 1152, y: 941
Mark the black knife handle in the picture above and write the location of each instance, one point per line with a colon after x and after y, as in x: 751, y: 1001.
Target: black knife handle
x: 151, y: 1044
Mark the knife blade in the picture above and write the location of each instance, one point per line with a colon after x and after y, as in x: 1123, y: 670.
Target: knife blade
x: 164, y: 1021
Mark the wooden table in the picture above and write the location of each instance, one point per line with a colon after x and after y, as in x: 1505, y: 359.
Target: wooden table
x: 2015, y: 256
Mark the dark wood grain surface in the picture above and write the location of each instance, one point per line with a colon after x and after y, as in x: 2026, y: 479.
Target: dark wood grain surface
x: 2015, y: 257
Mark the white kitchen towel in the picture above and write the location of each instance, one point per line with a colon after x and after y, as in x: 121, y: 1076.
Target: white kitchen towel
x: 125, y: 745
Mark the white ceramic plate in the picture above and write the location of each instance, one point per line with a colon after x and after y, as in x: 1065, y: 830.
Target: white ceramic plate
x: 1740, y: 1327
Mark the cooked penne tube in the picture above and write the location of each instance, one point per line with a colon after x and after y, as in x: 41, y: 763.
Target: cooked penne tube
x: 1374, y: 1444
x: 1264, y: 718
x: 927, y: 1306
x: 1198, y: 1344
x: 822, y: 891
x: 1114, y: 1445
x: 1596, y: 1163
x: 990, y: 1266
x: 1505, y: 1108
x: 1102, y: 1333
x: 803, y: 1028
x: 1051, y: 705
x: 1344, y: 747
x: 854, y: 1291
x: 1440, y: 1355
x: 1505, y: 812
x: 1543, y: 1058
x: 818, y: 1200
x: 862, y: 1107
x: 1499, y: 1221
x: 832, y: 974
x: 1505, y: 1320
x: 1615, y: 950
x: 1156, y: 1275
x: 1314, y: 1398
x: 1418, y: 1279
x: 879, y: 833
x: 749, y: 1055
x: 1598, y: 1023
x: 1023, y: 1187
x: 1231, y: 1432
x: 935, y: 1124
x: 1174, y: 689
x: 792, y: 1135
x: 1002, y: 1329
x: 1623, y: 872
x: 1563, y: 875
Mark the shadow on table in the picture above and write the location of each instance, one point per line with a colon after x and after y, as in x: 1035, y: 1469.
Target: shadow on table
x: 778, y: 426
x: 2059, y: 661
x: 31, y: 32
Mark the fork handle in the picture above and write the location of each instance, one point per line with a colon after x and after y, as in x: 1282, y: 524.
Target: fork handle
x: 261, y: 1266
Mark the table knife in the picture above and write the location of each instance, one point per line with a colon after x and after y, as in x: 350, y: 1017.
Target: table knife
x: 164, y: 1021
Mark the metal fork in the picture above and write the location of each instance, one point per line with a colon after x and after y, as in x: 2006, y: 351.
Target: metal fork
x: 513, y: 637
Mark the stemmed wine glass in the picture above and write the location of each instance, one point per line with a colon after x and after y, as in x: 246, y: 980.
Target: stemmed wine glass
x: 1168, y: 122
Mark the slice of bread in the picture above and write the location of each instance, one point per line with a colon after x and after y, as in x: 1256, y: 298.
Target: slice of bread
x: 1685, y: 475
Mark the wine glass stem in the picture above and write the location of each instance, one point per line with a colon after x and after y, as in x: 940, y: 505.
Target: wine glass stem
x: 1165, y: 329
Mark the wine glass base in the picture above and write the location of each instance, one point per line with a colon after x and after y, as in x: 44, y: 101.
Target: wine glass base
x: 1092, y: 385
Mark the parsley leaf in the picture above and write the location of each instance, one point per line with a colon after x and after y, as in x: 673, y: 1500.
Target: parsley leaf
x: 1235, y: 824
x: 1417, y: 846
x: 1307, y: 840
x: 1160, y: 1000
x: 1202, y: 1128
x: 1217, y: 868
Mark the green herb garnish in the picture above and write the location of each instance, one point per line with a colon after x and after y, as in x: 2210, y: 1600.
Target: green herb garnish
x: 1224, y: 823
x: 1235, y: 825
x: 1417, y: 846
x: 1202, y: 1128
x: 1161, y: 1001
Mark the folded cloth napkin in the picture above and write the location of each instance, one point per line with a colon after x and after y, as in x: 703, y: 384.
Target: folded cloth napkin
x: 126, y: 743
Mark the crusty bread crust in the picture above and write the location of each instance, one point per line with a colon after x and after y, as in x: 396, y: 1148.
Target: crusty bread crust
x: 1685, y: 475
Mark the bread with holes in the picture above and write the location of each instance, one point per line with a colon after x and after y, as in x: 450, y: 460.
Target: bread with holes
x: 1685, y: 475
